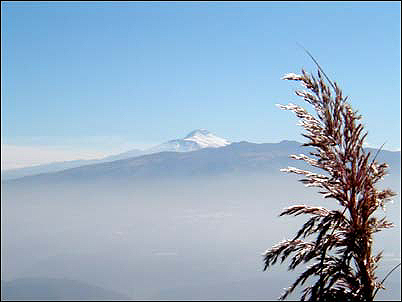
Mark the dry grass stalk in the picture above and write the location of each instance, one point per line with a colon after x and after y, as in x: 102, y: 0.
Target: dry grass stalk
x: 341, y: 243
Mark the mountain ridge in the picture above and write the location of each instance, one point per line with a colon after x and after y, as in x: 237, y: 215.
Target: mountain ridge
x: 195, y: 140
x: 240, y: 157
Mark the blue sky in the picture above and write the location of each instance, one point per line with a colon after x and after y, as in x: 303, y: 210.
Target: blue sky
x: 85, y: 79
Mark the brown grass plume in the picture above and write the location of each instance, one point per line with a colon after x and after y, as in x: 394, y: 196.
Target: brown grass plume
x: 339, y: 242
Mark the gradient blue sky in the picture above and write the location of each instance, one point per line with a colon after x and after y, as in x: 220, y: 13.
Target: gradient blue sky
x: 85, y: 79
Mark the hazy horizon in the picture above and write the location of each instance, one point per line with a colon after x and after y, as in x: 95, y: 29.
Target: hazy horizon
x: 16, y: 163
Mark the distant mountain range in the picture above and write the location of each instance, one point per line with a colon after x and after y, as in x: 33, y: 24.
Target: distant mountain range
x: 42, y: 289
x: 235, y: 158
x: 195, y: 140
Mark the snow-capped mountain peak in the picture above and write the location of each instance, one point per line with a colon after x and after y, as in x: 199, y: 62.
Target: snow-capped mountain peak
x: 206, y: 139
x: 195, y: 140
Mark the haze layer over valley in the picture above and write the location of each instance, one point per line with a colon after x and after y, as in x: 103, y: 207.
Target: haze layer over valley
x: 170, y: 225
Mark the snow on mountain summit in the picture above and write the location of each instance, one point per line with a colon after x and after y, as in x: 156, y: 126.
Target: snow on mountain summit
x: 195, y: 140
x: 206, y: 139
